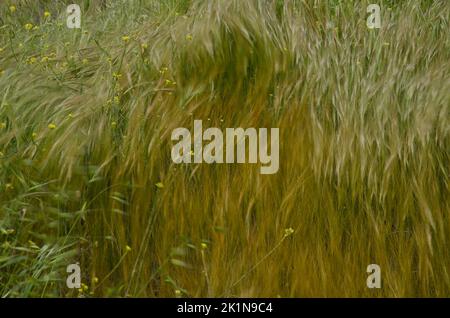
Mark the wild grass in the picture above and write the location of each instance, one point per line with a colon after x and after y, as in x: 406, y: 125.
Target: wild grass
x: 85, y: 169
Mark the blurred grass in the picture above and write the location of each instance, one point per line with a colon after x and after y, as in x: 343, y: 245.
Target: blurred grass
x: 85, y: 123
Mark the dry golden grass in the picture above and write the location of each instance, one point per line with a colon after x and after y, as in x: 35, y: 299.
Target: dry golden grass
x: 86, y: 117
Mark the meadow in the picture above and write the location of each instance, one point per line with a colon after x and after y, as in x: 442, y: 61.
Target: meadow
x: 86, y: 175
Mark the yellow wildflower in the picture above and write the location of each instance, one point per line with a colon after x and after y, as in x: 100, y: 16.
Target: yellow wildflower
x: 47, y: 14
x: 12, y: 9
x: 125, y: 38
x: 189, y: 37
x: 127, y: 248
x: 113, y: 124
x: 85, y: 61
x: 2, y: 125
x: 159, y: 185
x: 28, y: 26
x: 288, y: 232
x: 51, y: 126
x: 204, y: 246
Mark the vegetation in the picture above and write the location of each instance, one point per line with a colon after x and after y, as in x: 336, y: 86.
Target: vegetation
x: 86, y: 117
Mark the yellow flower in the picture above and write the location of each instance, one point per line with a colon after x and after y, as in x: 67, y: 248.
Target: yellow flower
x: 168, y: 82
x: 127, y: 248
x: 116, y: 99
x: 144, y: 46
x: 85, y: 61
x: 28, y: 26
x: 12, y: 9
x: 32, y: 60
x: 113, y: 124
x: 51, y: 126
x: 95, y: 280
x: 288, y: 232
x: 33, y: 135
x: 125, y: 38
x: 9, y: 186
x: 177, y: 292
x: 2, y: 125
x: 47, y: 14
x: 44, y: 59
x: 189, y: 37
x: 159, y: 185
x: 204, y: 246
x: 117, y: 76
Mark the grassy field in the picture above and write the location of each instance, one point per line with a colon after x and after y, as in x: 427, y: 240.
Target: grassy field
x: 86, y: 176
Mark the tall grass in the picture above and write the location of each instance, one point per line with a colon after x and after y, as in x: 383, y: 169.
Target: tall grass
x: 85, y: 170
